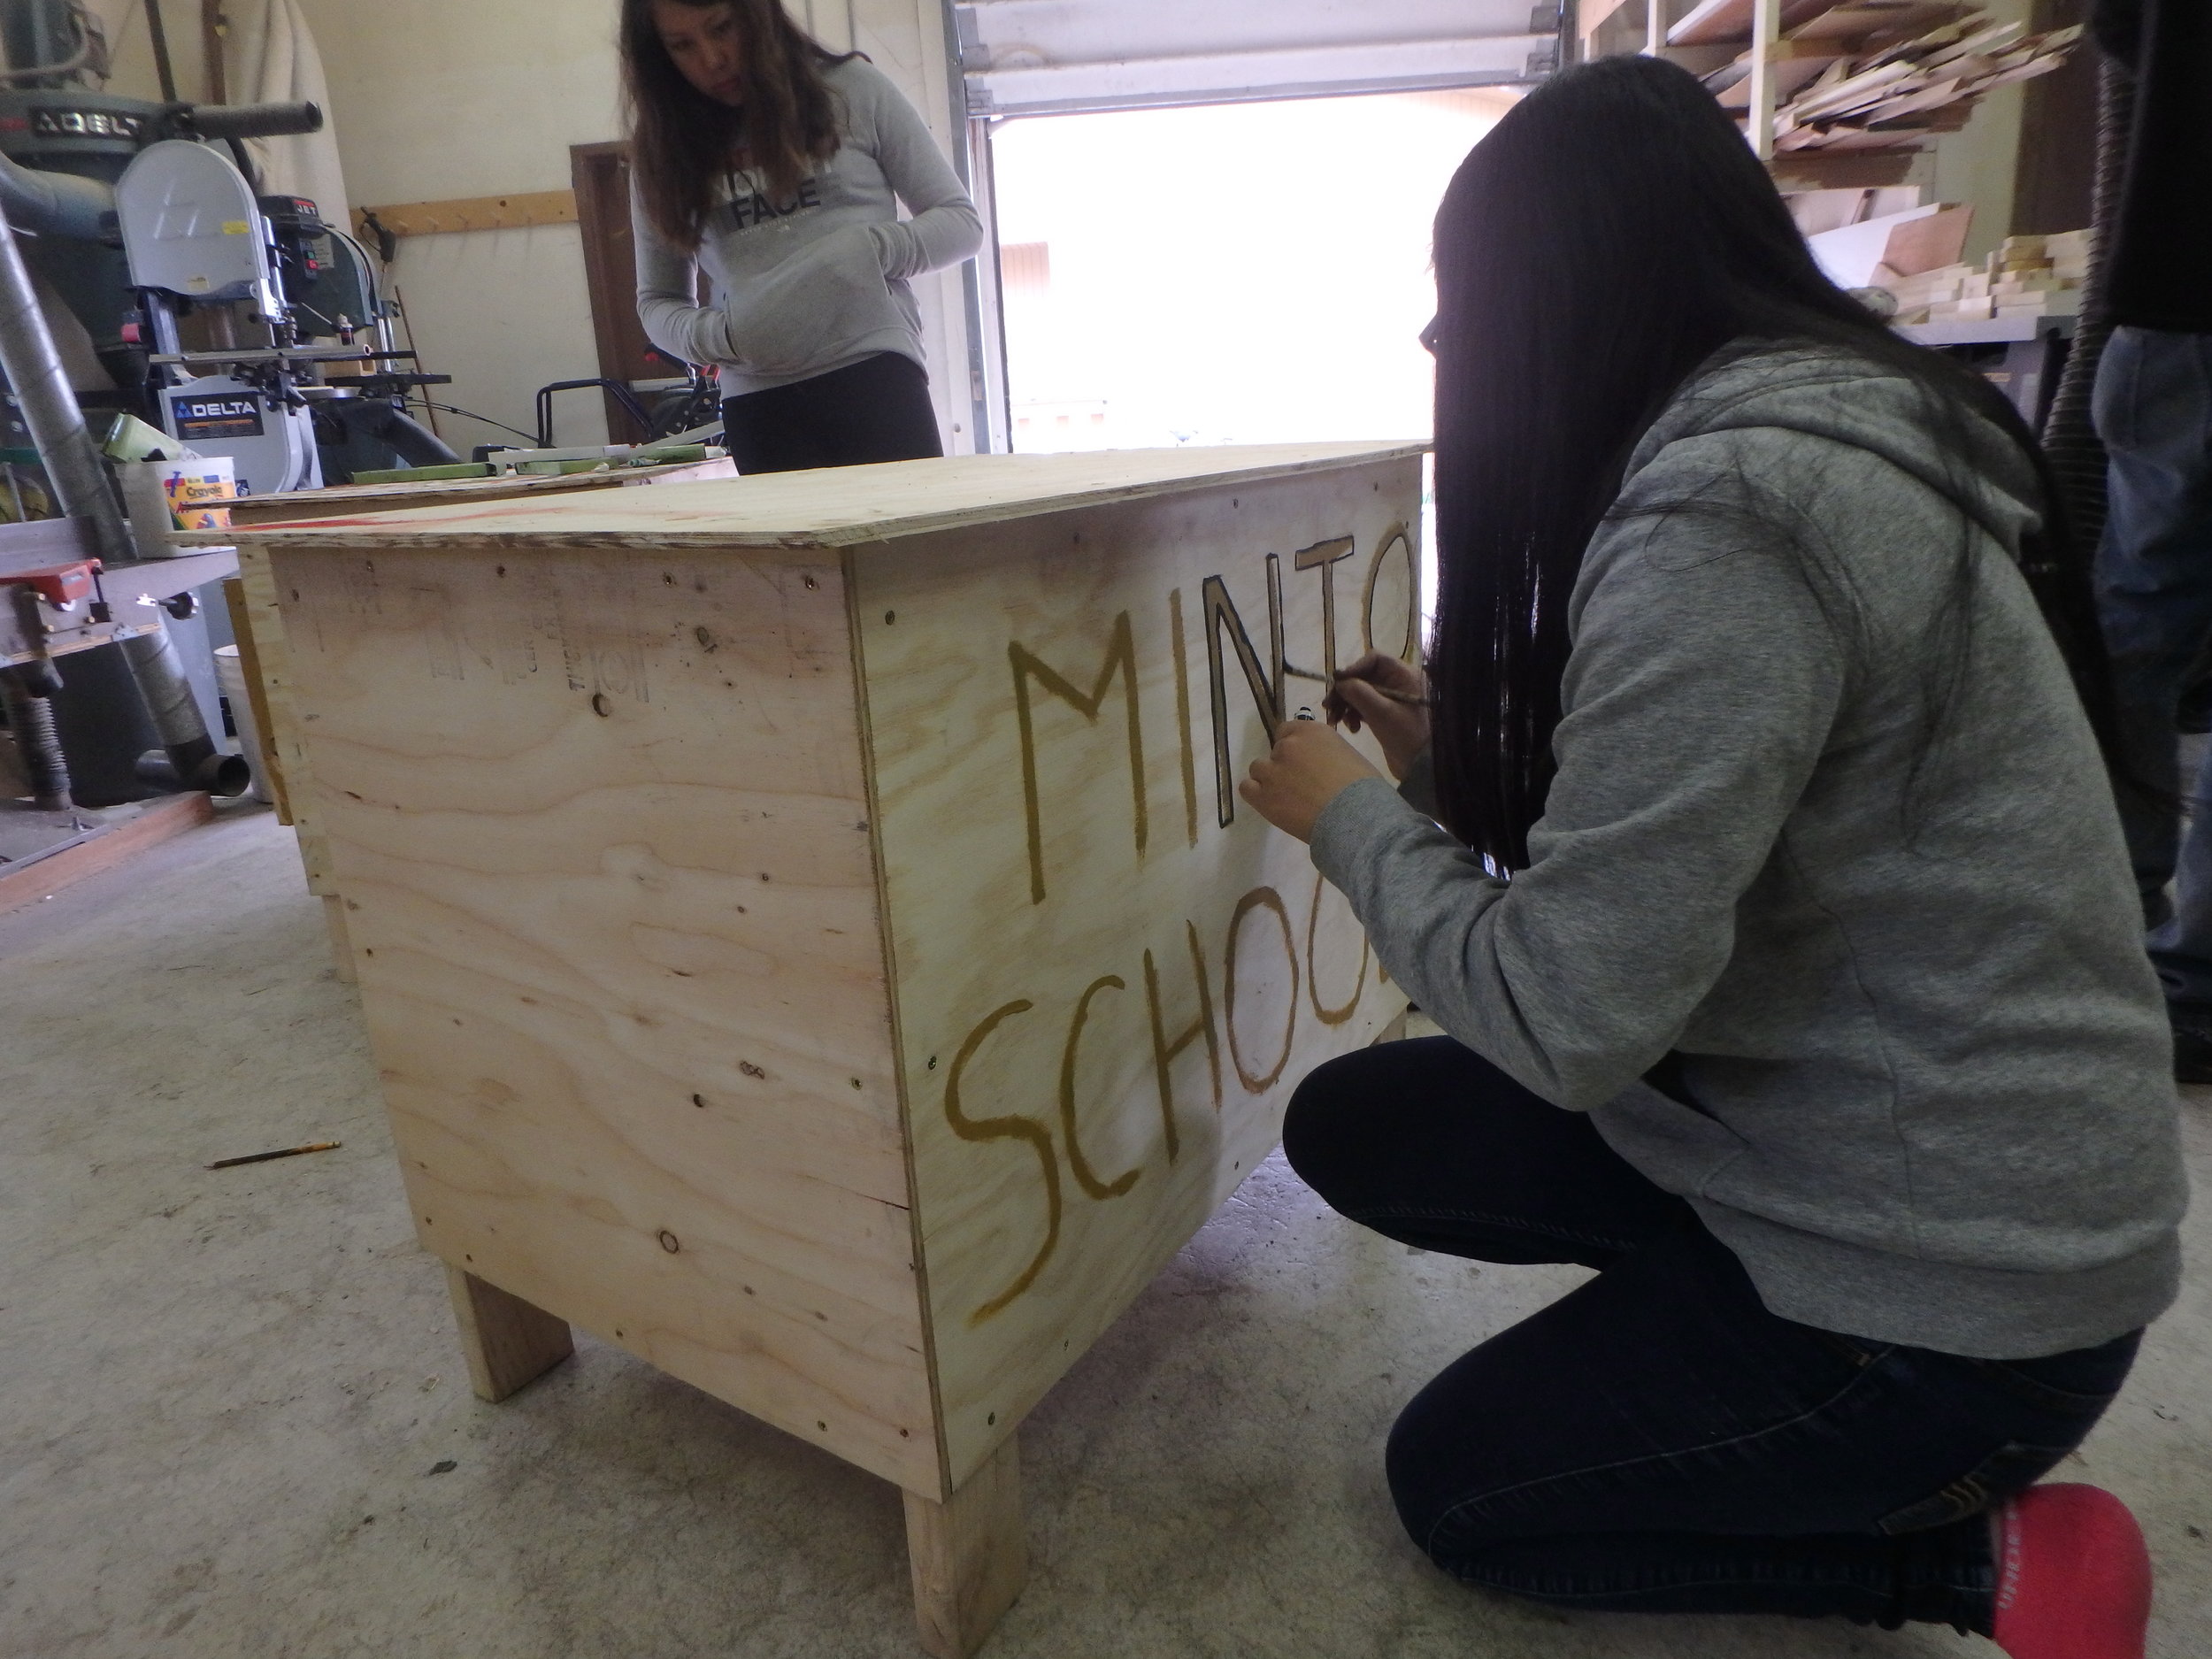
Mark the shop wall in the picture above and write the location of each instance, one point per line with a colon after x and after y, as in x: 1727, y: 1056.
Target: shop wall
x: 435, y: 101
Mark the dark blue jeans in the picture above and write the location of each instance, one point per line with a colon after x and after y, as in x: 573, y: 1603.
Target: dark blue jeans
x: 1657, y: 1440
x: 2154, y: 412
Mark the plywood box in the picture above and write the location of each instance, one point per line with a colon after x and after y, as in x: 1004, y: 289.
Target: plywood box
x: 263, y: 633
x: 806, y: 925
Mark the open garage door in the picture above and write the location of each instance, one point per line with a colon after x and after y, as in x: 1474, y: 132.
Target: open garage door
x: 1043, y: 57
x: 1057, y: 56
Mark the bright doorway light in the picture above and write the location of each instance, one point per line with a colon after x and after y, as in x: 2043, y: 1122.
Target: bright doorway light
x: 1231, y: 274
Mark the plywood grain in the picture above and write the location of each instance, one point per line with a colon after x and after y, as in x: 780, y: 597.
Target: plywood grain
x: 969, y: 1557
x: 265, y: 616
x: 1109, y: 974
x: 507, y: 1343
x: 351, y: 500
x: 601, y: 826
x: 839, y: 507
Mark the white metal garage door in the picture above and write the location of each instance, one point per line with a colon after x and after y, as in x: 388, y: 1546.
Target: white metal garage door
x: 1051, y: 56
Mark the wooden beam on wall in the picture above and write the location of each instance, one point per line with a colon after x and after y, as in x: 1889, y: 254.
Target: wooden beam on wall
x: 213, y: 27
x: 2056, y: 172
x: 1766, y: 29
x: 1592, y: 14
x: 478, y: 212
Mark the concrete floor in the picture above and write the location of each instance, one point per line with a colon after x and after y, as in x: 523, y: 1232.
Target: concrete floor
x: 234, y: 1424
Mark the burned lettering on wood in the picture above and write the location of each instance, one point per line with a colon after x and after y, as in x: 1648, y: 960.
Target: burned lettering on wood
x: 1265, y: 670
x: 1264, y: 681
x: 1259, y: 898
x: 1079, y: 1165
x: 1325, y: 558
x: 1121, y: 657
x: 1028, y: 1130
x: 1166, y: 1049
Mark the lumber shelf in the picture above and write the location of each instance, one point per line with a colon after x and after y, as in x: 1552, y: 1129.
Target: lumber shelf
x: 832, y: 509
x: 1714, y: 22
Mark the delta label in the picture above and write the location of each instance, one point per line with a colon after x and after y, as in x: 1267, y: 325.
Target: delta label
x: 235, y: 417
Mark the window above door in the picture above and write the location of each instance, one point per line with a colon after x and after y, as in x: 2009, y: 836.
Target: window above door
x: 1057, y: 56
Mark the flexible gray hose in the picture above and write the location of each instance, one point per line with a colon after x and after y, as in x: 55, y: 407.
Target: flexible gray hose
x: 2070, y: 432
x: 31, y: 722
x: 57, y: 203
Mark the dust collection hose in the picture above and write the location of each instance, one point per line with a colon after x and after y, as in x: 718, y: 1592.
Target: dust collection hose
x: 187, y: 757
x: 2070, y: 432
x: 31, y: 721
x: 80, y: 480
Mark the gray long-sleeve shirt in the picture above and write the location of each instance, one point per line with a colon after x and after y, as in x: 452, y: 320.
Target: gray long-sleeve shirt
x: 1906, y: 982
x: 819, y: 282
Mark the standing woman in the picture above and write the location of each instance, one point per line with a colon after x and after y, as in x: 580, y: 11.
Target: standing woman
x: 1763, y: 869
x: 779, y: 166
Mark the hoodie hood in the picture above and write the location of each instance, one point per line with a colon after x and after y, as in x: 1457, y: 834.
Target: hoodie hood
x: 1847, y: 399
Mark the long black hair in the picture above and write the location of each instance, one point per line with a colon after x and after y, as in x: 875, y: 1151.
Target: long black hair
x: 684, y: 145
x: 1611, y: 233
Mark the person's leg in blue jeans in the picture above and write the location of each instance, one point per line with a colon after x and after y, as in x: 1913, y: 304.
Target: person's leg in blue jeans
x: 1657, y: 1440
x: 2153, y: 412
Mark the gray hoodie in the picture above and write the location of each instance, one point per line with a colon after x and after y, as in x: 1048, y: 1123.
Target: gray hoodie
x: 817, y: 283
x: 1905, y: 983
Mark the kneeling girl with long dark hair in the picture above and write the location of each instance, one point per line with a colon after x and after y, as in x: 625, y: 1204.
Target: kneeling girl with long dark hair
x: 1763, y: 868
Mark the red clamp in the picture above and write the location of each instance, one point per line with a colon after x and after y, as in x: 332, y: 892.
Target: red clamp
x: 57, y: 584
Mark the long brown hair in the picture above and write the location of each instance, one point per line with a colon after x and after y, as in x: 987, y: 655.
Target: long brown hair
x: 683, y: 144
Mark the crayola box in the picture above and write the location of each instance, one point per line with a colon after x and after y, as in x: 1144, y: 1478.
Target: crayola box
x: 199, y: 490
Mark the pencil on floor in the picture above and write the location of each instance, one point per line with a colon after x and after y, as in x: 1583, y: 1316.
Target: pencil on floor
x: 286, y: 1152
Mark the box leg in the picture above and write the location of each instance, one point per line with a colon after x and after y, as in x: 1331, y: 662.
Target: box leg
x: 340, y: 941
x: 508, y: 1341
x: 968, y: 1555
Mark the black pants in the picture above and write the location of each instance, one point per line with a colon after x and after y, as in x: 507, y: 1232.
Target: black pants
x: 875, y: 410
x: 1657, y: 1440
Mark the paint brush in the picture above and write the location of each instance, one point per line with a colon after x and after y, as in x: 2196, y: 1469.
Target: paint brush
x: 286, y: 1152
x: 1412, y: 700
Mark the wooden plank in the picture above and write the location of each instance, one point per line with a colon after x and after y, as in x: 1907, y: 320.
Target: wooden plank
x: 1060, y: 859
x: 1766, y: 28
x: 340, y: 939
x: 1592, y: 16
x: 516, y: 210
x: 606, y: 825
x: 968, y: 1556
x: 132, y: 829
x: 837, y: 507
x: 351, y: 500
x: 284, y: 733
x: 271, y: 766
x: 508, y: 1343
x: 1715, y: 21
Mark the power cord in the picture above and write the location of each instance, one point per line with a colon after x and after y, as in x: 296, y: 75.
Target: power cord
x: 452, y: 408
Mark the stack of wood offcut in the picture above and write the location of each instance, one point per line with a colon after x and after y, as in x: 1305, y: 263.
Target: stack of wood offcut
x: 1867, y: 75
x: 2028, y: 276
